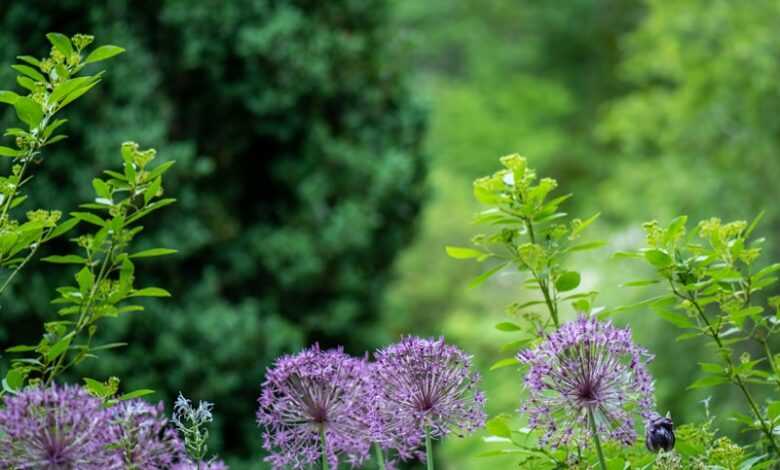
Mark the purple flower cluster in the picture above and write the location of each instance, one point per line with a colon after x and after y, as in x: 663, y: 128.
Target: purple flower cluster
x: 64, y: 427
x: 413, y: 387
x: 58, y: 427
x: 587, y: 366
x: 143, y: 437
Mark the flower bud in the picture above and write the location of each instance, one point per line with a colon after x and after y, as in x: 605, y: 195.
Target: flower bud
x: 659, y: 434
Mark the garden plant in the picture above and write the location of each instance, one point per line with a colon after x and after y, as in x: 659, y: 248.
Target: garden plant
x: 585, y: 392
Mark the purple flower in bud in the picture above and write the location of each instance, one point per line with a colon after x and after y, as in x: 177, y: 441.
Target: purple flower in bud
x: 312, y: 394
x: 58, y: 427
x: 587, y: 365
x: 424, y: 385
x: 143, y: 437
x: 659, y: 434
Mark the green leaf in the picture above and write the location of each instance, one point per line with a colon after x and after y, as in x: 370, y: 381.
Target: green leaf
x: 28, y: 111
x: 66, y: 259
x: 754, y: 223
x: 487, y: 274
x: 458, y: 252
x: 14, y: 380
x: 585, y: 246
x: 97, y: 388
x: 63, y: 228
x: 61, y: 43
x: 30, y: 60
x: 676, y: 318
x: 497, y: 426
x: 658, y: 258
x: 76, y: 94
x: 150, y: 292
x: 136, y: 394
x: 510, y: 361
x: 89, y: 217
x: 9, y: 152
x: 154, y: 252
x: 69, y: 86
x: 646, y: 282
x: 152, y: 190
x: 8, y: 97
x: 103, y: 53
x: 58, y: 348
x: 508, y: 326
x: 709, y: 381
x: 85, y: 279
x: 567, y: 281
x: 30, y: 72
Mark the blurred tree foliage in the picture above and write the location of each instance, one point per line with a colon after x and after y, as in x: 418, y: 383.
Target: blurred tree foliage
x: 642, y: 109
x: 299, y: 176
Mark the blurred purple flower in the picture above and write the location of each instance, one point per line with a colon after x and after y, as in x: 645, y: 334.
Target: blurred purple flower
x: 308, y: 393
x: 143, y: 436
x: 587, y: 365
x: 424, y: 385
x: 59, y: 427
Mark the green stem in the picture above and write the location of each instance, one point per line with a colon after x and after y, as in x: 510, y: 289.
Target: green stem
x: 737, y: 379
x: 380, y: 458
x: 596, y: 441
x: 428, y: 450
x: 544, y: 286
x: 324, y: 447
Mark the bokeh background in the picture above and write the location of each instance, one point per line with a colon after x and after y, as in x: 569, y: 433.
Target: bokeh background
x: 325, y: 152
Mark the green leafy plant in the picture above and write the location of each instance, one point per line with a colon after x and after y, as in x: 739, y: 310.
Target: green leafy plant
x: 104, y: 284
x: 714, y: 291
x: 51, y: 84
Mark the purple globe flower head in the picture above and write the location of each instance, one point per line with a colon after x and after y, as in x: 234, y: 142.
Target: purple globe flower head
x: 425, y: 385
x: 587, y: 365
x: 58, y: 427
x: 310, y: 394
x: 143, y: 437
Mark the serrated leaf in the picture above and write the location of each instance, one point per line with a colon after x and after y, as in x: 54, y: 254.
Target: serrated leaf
x: 103, y: 53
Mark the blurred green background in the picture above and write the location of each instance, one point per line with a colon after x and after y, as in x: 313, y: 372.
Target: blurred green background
x: 325, y: 156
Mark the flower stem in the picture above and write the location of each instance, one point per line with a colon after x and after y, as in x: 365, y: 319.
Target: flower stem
x: 324, y: 447
x: 380, y: 458
x: 596, y: 441
x: 428, y: 449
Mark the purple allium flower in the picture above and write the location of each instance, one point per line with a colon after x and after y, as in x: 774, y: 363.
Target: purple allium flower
x: 143, y: 437
x: 587, y: 365
x: 425, y: 385
x: 309, y: 393
x: 59, y: 427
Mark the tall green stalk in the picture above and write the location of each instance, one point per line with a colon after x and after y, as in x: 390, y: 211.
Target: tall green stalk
x: 380, y: 457
x: 596, y: 441
x: 428, y: 450
x: 323, y: 445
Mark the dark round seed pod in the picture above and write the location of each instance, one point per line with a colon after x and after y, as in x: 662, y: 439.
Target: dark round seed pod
x: 659, y: 434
